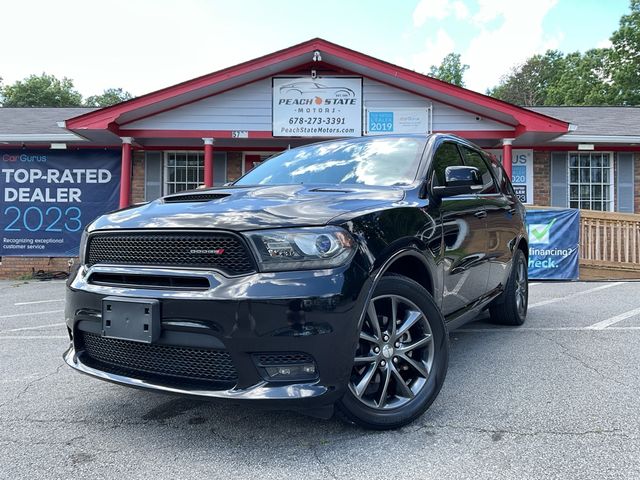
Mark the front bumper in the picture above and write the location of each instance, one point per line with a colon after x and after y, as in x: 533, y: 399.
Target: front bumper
x: 313, y: 312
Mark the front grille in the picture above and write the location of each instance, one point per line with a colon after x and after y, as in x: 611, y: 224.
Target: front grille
x: 149, y: 281
x: 154, y: 361
x: 218, y: 250
x: 282, y: 358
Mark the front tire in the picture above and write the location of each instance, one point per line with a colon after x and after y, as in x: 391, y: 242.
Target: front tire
x: 401, y: 359
x: 511, y: 307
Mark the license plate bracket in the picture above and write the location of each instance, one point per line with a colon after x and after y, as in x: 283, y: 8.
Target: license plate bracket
x: 135, y: 319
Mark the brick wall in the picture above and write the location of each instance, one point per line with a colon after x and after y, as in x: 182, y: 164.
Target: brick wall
x: 137, y: 179
x: 542, y: 178
x: 234, y: 166
x: 17, y: 267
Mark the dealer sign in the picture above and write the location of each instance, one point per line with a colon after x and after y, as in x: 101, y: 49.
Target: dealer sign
x: 50, y: 196
x: 317, y: 107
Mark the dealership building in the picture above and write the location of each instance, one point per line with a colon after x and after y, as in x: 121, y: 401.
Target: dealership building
x: 212, y: 129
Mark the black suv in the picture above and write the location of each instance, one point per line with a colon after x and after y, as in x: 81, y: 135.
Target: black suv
x: 328, y: 275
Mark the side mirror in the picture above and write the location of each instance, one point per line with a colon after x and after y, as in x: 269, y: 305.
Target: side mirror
x: 459, y: 180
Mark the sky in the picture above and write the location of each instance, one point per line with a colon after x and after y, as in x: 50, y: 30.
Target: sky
x: 144, y: 45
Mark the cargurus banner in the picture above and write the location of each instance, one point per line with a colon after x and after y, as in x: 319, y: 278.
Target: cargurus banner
x: 553, y: 244
x: 49, y: 196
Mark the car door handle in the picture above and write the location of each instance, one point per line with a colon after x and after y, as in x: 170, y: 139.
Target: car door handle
x: 480, y: 214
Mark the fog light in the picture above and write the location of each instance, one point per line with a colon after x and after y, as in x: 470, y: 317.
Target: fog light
x: 286, y: 372
x: 286, y: 366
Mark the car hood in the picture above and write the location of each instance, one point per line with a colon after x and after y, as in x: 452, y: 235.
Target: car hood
x: 250, y: 208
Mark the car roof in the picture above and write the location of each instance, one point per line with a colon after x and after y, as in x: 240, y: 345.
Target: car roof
x: 422, y: 136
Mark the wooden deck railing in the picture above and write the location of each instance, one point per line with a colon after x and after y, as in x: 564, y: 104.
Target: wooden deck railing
x: 609, y: 244
x: 610, y: 239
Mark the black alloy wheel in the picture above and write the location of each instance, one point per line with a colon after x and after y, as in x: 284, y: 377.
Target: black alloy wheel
x: 401, y: 358
x: 511, y: 307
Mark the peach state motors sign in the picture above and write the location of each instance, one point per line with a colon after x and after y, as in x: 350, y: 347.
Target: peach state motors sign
x: 317, y: 107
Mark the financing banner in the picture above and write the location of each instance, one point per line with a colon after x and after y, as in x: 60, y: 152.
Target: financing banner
x: 49, y: 196
x: 553, y: 244
x: 320, y: 107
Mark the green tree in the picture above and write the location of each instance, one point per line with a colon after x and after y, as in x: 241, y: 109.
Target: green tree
x: 528, y: 84
x: 451, y: 70
x: 109, y: 97
x: 600, y: 76
x: 584, y: 81
x: 624, y: 60
x: 41, y: 91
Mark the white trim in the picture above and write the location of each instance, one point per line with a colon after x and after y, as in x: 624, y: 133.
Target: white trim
x: 41, y: 137
x: 507, y: 141
x: 596, y: 139
x: 208, y: 141
x: 128, y: 140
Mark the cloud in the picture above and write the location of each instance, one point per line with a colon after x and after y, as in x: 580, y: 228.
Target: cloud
x: 426, y: 9
x: 434, y: 51
x: 506, y: 33
x: 509, y: 33
x: 438, y: 10
x: 460, y: 10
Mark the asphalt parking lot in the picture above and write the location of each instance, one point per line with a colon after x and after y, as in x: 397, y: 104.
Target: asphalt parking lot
x: 557, y: 398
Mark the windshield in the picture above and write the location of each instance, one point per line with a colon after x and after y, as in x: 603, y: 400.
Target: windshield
x: 365, y: 161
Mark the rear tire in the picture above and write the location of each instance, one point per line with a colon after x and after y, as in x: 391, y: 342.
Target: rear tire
x: 401, y: 360
x: 511, y: 307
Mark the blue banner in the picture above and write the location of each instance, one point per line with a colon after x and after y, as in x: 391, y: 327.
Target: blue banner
x: 49, y: 196
x: 553, y: 244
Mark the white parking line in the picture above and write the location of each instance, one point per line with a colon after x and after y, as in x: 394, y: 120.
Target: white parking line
x: 31, y: 337
x: 613, y: 320
x: 542, y: 329
x: 32, y: 328
x: 585, y: 292
x: 534, y: 284
x: 30, y: 314
x: 38, y: 301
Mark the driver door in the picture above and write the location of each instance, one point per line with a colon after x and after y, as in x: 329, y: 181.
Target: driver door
x: 464, y: 237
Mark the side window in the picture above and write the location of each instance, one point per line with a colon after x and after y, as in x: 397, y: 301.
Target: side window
x: 474, y: 159
x: 498, y: 172
x: 446, y: 155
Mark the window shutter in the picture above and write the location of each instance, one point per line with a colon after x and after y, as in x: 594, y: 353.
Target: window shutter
x: 219, y: 168
x: 152, y: 175
x: 624, y: 181
x: 559, y: 180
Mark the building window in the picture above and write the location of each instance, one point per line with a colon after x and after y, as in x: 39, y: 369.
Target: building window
x: 183, y: 171
x: 591, y: 181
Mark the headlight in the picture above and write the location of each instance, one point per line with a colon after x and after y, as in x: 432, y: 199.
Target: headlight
x: 302, y: 248
x: 82, y: 252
